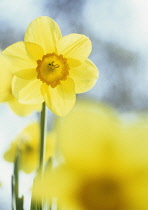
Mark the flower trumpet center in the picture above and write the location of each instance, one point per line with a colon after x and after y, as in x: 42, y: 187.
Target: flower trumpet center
x: 102, y: 194
x: 52, y: 69
x: 25, y: 144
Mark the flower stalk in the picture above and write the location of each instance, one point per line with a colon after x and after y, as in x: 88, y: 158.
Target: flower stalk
x: 42, y: 146
x: 17, y: 203
x: 42, y: 137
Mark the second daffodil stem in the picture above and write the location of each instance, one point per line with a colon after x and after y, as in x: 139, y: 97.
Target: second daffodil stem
x: 42, y: 137
x: 17, y: 202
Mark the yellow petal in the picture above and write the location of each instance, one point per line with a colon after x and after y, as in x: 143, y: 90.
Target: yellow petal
x: 5, y: 95
x: 28, y: 143
x: 27, y: 92
x: 75, y: 46
x: 5, y: 81
x: 88, y: 133
x: 50, y: 144
x: 84, y: 76
x: 63, y: 190
x: 35, y: 51
x: 60, y: 99
x: 131, y: 136
x: 73, y: 62
x: 22, y: 55
x: 10, y: 154
x: 23, y: 109
x: 27, y: 74
x: 45, y: 32
x: 29, y: 161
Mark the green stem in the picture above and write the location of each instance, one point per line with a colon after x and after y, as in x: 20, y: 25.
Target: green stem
x: 42, y: 146
x: 16, y: 177
x: 13, y: 193
x: 15, y: 181
x: 42, y: 137
x: 17, y: 203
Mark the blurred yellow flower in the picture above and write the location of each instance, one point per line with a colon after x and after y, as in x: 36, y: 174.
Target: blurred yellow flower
x: 6, y: 93
x: 27, y: 142
x: 49, y: 67
x: 106, y: 162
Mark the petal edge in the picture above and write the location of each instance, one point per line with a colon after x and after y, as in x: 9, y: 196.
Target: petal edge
x: 27, y: 92
x: 45, y: 32
x: 84, y: 76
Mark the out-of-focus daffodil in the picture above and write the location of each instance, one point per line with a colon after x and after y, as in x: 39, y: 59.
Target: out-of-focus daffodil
x: 6, y: 93
x: 106, y: 162
x: 49, y: 67
x: 28, y: 145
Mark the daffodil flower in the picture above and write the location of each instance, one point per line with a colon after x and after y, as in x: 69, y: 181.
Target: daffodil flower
x: 28, y: 144
x: 106, y: 162
x: 6, y: 92
x: 49, y: 67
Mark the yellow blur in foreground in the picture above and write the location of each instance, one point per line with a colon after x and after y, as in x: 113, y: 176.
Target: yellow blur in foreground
x: 6, y: 91
x: 27, y: 143
x: 49, y: 67
x: 105, y: 163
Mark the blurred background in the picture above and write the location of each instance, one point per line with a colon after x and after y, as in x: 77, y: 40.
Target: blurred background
x: 118, y: 30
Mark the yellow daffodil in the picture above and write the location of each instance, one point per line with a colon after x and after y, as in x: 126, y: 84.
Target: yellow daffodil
x: 27, y: 143
x: 6, y: 93
x: 49, y: 67
x: 106, y: 162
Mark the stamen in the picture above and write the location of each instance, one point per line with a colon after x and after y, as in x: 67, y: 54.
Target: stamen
x: 57, y: 66
x: 52, y: 67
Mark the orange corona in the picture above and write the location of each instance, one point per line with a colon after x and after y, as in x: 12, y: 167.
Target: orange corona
x: 52, y: 69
